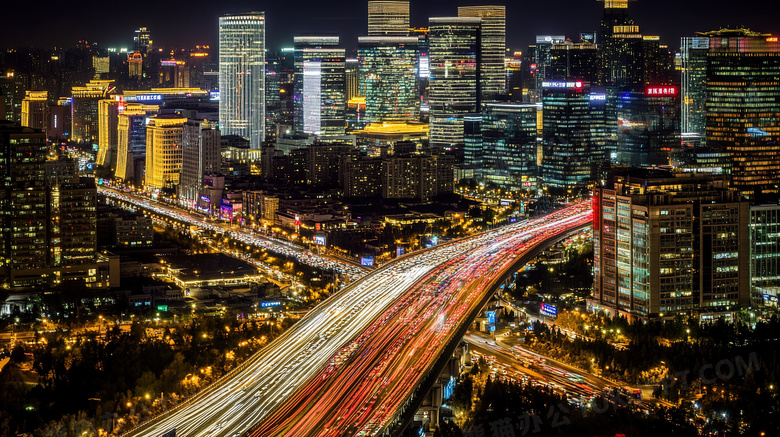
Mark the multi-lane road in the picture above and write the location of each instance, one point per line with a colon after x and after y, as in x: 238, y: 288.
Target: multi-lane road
x: 348, y: 365
x: 274, y: 245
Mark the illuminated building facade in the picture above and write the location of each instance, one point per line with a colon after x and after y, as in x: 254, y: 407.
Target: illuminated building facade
x: 242, y: 76
x: 142, y: 40
x: 648, y: 125
x: 574, y: 133
x: 693, y: 74
x: 509, y: 145
x: 668, y: 244
x: 163, y: 151
x: 387, y: 68
x: 388, y: 18
x: 743, y: 106
x: 23, y: 203
x: 455, y: 76
x: 35, y: 110
x: 108, y: 118
x: 131, y: 142
x: 493, y: 47
x: 320, y: 94
x: 200, y: 155
x: 135, y: 65
x: 84, y: 105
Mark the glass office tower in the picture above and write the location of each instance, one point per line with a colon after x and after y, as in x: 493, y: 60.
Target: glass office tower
x: 388, y: 18
x: 509, y: 144
x: 693, y: 74
x: 493, y: 38
x: 320, y: 85
x: 387, y: 70
x: 454, y: 49
x: 242, y: 76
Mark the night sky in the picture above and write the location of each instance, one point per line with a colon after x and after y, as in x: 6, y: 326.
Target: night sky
x: 186, y: 23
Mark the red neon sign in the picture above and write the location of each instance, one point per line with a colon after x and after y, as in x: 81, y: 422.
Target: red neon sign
x: 662, y: 91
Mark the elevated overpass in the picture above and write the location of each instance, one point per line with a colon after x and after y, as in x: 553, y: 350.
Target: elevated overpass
x: 357, y: 363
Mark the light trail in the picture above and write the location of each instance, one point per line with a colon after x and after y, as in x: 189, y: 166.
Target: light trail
x: 349, y: 363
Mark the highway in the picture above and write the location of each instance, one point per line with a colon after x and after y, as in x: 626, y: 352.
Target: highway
x: 361, y: 395
x: 349, y: 364
x: 274, y: 245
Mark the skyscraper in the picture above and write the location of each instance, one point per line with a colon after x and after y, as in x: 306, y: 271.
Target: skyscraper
x: 320, y: 94
x: 455, y: 51
x: 693, y: 72
x: 142, y: 40
x: 574, y: 133
x: 131, y: 142
x: 509, y: 145
x: 387, y: 67
x: 108, y: 115
x: 242, y: 76
x: 85, y: 109
x: 743, y: 106
x: 388, y: 18
x: 493, y: 40
x: 200, y: 155
x: 23, y: 198
x: 35, y: 110
x: 648, y: 125
x: 163, y: 151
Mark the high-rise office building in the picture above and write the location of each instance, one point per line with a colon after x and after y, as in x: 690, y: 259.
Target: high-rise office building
x: 131, y: 142
x: 574, y: 133
x: 493, y: 47
x: 320, y: 95
x: 142, y: 40
x: 77, y: 221
x: 135, y: 65
x: 648, y: 125
x: 242, y: 76
x: 743, y: 106
x: 163, y: 151
x: 473, y: 158
x: 23, y: 198
x: 509, y: 145
x: 85, y: 109
x: 669, y: 244
x: 200, y: 155
x: 765, y: 254
x: 388, y: 70
x: 541, y: 57
x: 455, y: 76
x: 568, y: 59
x: 108, y: 118
x: 35, y: 110
x: 388, y: 18
x: 693, y: 75
x: 352, y: 75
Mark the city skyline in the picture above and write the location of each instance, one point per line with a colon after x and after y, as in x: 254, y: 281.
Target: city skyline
x: 670, y: 20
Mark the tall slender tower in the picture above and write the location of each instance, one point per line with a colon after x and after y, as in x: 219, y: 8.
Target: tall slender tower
x: 242, y: 76
x: 493, y: 29
x: 388, y: 18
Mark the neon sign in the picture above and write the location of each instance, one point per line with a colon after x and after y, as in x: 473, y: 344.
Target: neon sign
x: 662, y: 91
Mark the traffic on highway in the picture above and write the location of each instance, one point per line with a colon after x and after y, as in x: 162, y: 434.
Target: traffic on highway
x: 351, y: 362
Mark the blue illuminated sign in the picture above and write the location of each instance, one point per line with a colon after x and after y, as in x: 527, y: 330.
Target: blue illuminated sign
x: 367, y: 261
x: 148, y: 97
x: 491, y: 317
x: 549, y: 310
x: 270, y: 304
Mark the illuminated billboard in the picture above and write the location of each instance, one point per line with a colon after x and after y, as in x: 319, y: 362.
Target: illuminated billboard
x: 562, y: 84
x: 319, y: 240
x: 549, y: 310
x: 661, y: 91
x: 491, y: 317
x: 367, y: 261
